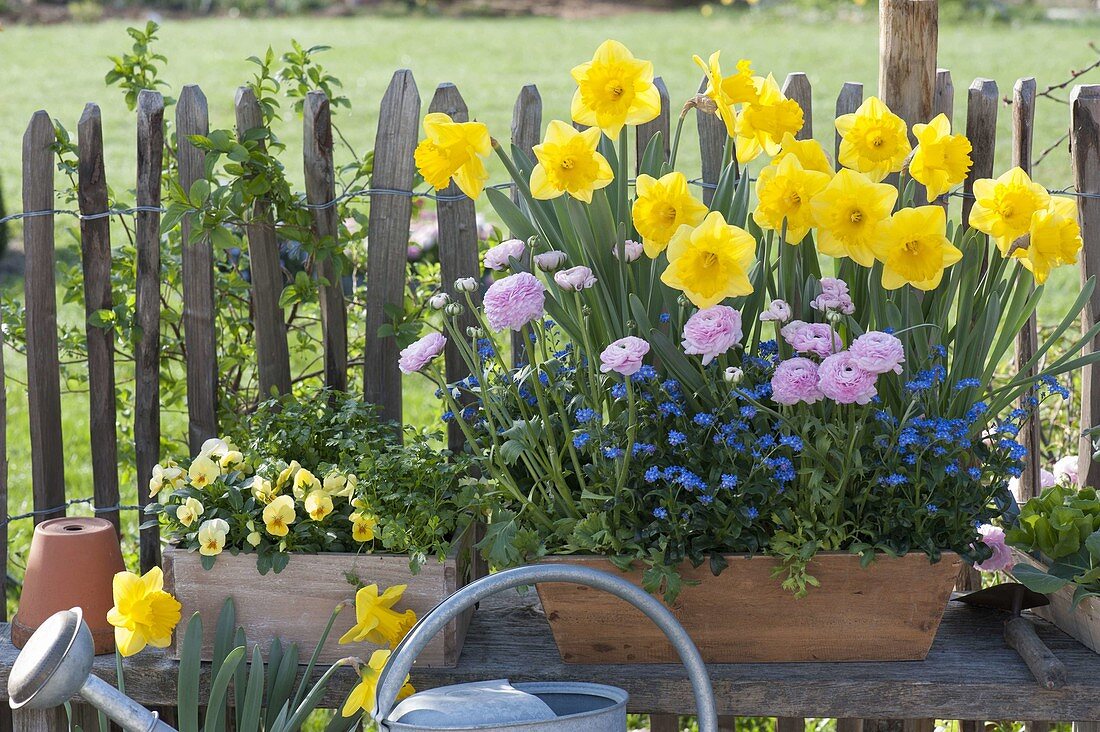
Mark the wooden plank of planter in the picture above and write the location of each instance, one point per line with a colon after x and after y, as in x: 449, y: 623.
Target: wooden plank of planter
x: 847, y: 102
x: 95, y: 249
x: 192, y: 118
x: 981, y: 129
x: 1083, y: 623
x: 661, y: 123
x: 797, y: 87
x: 712, y: 140
x: 526, y: 129
x: 321, y: 189
x: 388, y: 238
x: 40, y: 293
x: 1085, y: 145
x: 150, y: 161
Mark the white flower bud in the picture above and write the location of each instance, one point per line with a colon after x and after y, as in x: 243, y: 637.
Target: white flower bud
x: 439, y: 301
x: 550, y: 261
x: 466, y: 284
x: 733, y: 375
x: 454, y: 309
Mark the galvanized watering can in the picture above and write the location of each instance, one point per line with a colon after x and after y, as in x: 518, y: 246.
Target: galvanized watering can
x: 498, y: 706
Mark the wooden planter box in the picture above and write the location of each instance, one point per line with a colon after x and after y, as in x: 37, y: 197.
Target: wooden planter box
x: 888, y: 611
x: 1082, y: 623
x: 295, y: 604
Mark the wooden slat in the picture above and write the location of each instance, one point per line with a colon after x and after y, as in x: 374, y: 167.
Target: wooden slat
x: 526, y: 131
x: 919, y: 725
x: 320, y: 189
x: 43, y: 372
x: 943, y: 101
x: 847, y: 102
x: 664, y: 723
x: 908, y: 40
x: 981, y: 130
x: 1085, y: 146
x: 457, y: 251
x: 662, y: 123
x: 388, y: 237
x: 797, y: 87
x: 712, y: 140
x: 1086, y: 727
x: 39, y: 720
x: 95, y: 248
x: 272, y: 355
x: 1036, y: 726
x: 790, y: 724
x: 4, y: 508
x: 849, y: 725
x: 192, y: 118
x: 150, y: 162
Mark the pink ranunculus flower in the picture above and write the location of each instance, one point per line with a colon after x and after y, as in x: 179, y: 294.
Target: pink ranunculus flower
x: 878, y: 352
x: 416, y: 356
x: 817, y: 338
x: 514, y: 301
x: 575, y: 278
x: 631, y: 250
x: 994, y: 538
x: 778, y: 311
x: 711, y: 332
x: 1065, y: 470
x: 499, y: 257
x: 841, y: 380
x: 1015, y: 486
x: 794, y: 381
x: 834, y: 296
x: 551, y: 261
x: 624, y: 356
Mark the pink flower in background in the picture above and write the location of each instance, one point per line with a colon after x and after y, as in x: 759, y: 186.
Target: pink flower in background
x: 631, y: 249
x: 778, y: 310
x: 817, y: 338
x: 840, y: 379
x: 624, y: 356
x: 994, y: 538
x: 834, y: 296
x: 1065, y: 470
x: 575, y: 278
x: 878, y: 352
x: 498, y: 257
x: 794, y: 381
x: 1015, y: 486
x: 514, y: 301
x: 711, y: 332
x: 551, y: 260
x: 416, y: 356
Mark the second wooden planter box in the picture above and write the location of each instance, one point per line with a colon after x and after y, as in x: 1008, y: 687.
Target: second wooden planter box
x: 1082, y: 622
x: 888, y: 611
x: 295, y: 604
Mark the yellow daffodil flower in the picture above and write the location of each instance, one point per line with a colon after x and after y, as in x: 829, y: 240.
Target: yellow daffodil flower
x: 454, y: 150
x: 914, y: 249
x: 363, y: 526
x: 847, y: 213
x: 663, y: 206
x: 762, y: 124
x: 941, y: 159
x: 375, y: 619
x: 873, y: 140
x: 809, y: 153
x: 279, y: 515
x: 727, y: 91
x: 189, y: 511
x: 305, y: 483
x: 168, y: 474
x: 711, y: 262
x: 361, y: 698
x: 318, y: 505
x: 286, y: 475
x: 1055, y: 239
x: 203, y: 471
x: 614, y: 89
x: 785, y: 191
x: 568, y: 163
x: 144, y: 614
x: 1003, y: 207
x: 211, y: 537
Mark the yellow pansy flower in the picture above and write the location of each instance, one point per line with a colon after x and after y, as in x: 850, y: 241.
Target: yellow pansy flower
x: 568, y: 163
x: 809, y: 153
x: 1003, y: 207
x: 215, y: 447
x: 784, y: 192
x: 189, y: 511
x: 231, y: 459
x: 203, y: 471
x: 663, y: 205
x: 873, y: 140
x: 286, y: 475
x: 262, y: 489
x: 253, y: 537
x: 340, y: 485
x: 711, y: 262
x: 168, y: 474
x: 363, y: 526
x: 726, y: 91
x: 318, y: 505
x: 279, y: 515
x: 211, y: 537
x: 305, y: 483
x: 1055, y: 239
x: 762, y: 124
x: 143, y: 614
x: 914, y: 249
x: 941, y: 159
x: 361, y: 698
x: 614, y: 89
x: 375, y: 619
x: 847, y: 213
x: 454, y: 150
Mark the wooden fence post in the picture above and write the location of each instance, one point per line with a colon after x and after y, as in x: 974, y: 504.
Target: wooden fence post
x: 712, y: 141
x: 150, y: 162
x: 797, y: 87
x: 321, y: 189
x: 847, y: 102
x: 272, y: 355
x: 526, y: 131
x: 40, y: 292
x: 388, y: 238
x: 5, y: 710
x: 908, y: 39
x: 943, y: 101
x: 1085, y: 146
x: 661, y: 123
x: 192, y: 118
x: 95, y: 247
x: 981, y: 129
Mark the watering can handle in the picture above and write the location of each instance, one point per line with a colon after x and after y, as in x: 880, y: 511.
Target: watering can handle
x: 392, y: 677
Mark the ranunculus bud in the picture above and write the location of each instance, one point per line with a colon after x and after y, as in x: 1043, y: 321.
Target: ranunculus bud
x: 550, y: 261
x: 466, y: 284
x: 439, y: 301
x: 733, y: 375
x: 474, y: 332
x: 630, y: 248
x: 454, y: 309
x: 575, y: 278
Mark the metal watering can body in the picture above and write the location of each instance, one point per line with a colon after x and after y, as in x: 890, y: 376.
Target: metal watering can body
x: 497, y: 706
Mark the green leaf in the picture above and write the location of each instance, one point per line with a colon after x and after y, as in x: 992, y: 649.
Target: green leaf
x: 253, y: 696
x: 1037, y: 580
x: 188, y: 676
x: 510, y: 214
x: 215, y: 712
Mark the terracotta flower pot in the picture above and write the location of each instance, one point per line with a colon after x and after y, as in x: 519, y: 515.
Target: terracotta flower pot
x: 71, y: 563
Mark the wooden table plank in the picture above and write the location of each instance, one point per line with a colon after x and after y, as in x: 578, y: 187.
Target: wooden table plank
x: 969, y: 674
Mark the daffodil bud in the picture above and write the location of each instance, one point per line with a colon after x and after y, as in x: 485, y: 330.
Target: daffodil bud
x: 439, y: 301
x: 454, y: 309
x: 466, y: 284
x: 733, y: 375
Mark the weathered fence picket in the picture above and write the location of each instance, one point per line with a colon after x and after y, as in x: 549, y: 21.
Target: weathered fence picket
x: 1085, y: 146
x: 662, y: 124
x: 712, y: 141
x: 797, y: 87
x: 981, y: 130
x: 847, y: 102
x: 526, y: 131
x: 943, y: 100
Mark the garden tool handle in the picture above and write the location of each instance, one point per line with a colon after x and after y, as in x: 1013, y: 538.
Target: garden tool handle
x: 392, y: 677
x: 1045, y: 666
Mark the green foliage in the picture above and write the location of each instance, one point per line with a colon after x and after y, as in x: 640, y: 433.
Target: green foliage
x: 139, y: 69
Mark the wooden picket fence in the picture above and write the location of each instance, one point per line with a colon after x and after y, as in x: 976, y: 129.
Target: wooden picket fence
x: 388, y: 230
